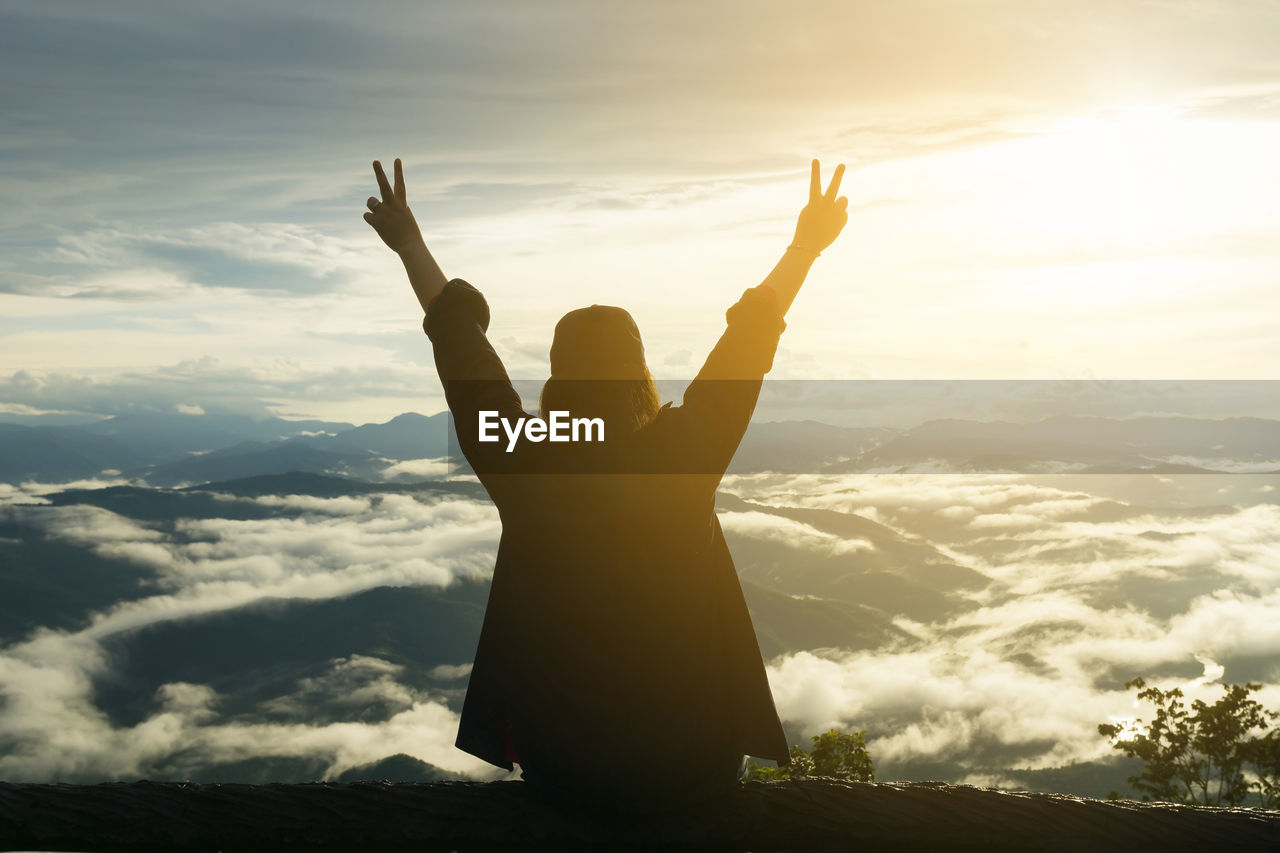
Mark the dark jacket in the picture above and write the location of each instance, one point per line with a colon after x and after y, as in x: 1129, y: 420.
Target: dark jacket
x: 616, y: 626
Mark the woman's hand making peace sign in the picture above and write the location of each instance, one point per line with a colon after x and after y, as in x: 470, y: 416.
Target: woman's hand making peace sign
x: 824, y: 216
x: 390, y: 216
x: 820, y: 222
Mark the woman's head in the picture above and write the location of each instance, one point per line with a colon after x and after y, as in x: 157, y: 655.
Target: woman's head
x: 598, y: 369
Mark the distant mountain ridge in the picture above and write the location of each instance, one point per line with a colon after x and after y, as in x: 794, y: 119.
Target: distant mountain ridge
x: 1111, y: 443
x: 172, y: 449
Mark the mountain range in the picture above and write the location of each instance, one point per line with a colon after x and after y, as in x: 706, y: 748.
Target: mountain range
x: 173, y: 449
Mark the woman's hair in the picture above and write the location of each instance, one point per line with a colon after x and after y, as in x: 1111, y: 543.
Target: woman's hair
x: 598, y: 369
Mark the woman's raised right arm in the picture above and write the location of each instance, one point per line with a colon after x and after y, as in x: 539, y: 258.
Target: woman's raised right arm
x: 391, y: 217
x: 457, y: 318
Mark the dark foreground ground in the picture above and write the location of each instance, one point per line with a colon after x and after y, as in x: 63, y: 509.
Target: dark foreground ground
x: 812, y: 814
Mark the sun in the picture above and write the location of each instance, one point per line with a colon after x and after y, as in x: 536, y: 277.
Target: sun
x: 1132, y: 178
x: 1121, y: 177
x: 1129, y: 729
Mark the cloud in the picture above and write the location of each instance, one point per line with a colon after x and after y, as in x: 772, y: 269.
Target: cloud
x: 85, y: 525
x: 1023, y: 679
x: 333, y: 547
x: 1230, y: 624
x: 359, y: 682
x: 260, y: 88
x: 280, y: 258
x: 759, y: 525
x: 35, y: 493
x: 52, y: 731
x: 1007, y: 694
x: 50, y: 728
x: 418, y: 469
x: 201, y: 158
x: 448, y: 672
x: 217, y: 387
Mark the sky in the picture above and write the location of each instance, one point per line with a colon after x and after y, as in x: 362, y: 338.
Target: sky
x: 1038, y: 190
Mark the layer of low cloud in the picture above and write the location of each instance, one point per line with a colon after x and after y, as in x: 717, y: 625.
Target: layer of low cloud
x: 34, y: 493
x: 759, y: 525
x: 54, y: 732
x: 1023, y: 679
x: 1100, y: 589
x: 322, y: 548
x: 334, y: 547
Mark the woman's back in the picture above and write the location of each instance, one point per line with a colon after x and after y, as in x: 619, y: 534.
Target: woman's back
x: 620, y: 673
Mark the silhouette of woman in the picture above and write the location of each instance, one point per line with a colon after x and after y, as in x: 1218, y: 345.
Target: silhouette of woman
x: 617, y: 662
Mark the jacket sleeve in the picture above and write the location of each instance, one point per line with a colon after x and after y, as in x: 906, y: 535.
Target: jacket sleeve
x: 718, y: 403
x: 473, y: 376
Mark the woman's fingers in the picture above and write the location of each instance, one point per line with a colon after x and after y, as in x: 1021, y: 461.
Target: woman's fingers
x: 842, y: 203
x: 835, y: 182
x: 368, y: 217
x: 815, y: 183
x: 399, y: 180
x: 372, y: 203
x: 383, y: 186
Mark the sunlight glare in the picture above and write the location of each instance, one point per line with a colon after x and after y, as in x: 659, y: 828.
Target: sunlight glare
x: 1135, y: 178
x: 1130, y: 728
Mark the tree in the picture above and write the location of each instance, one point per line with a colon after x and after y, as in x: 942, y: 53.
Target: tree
x: 838, y: 755
x: 1264, y: 755
x: 1198, y: 755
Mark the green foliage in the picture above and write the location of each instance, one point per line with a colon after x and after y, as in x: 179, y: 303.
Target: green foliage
x: 1199, y: 755
x: 837, y: 755
x: 1264, y: 755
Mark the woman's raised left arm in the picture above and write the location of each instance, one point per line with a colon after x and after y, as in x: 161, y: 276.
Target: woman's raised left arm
x: 820, y: 222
